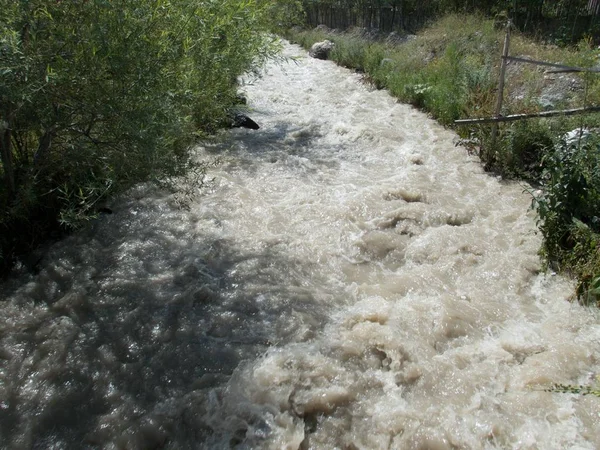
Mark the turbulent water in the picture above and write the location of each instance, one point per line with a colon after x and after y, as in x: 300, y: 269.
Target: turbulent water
x: 348, y: 279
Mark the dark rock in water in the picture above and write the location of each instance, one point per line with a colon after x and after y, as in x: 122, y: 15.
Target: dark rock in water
x: 320, y: 50
x: 239, y: 120
x: 104, y: 210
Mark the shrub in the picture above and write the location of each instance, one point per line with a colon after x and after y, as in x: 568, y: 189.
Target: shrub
x: 525, y: 143
x: 569, y: 210
x: 350, y: 52
x: 97, y: 95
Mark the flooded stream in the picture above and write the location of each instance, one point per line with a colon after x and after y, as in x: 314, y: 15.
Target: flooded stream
x: 347, y: 279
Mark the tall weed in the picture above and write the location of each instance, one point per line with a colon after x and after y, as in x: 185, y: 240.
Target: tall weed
x: 569, y: 209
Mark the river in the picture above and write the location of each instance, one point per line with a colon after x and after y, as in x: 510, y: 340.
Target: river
x: 348, y: 278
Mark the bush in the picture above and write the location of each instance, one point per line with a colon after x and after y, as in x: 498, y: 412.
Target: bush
x: 350, y: 52
x: 97, y: 95
x: 524, y: 146
x: 569, y: 211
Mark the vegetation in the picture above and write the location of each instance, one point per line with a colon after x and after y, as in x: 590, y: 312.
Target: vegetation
x: 592, y: 389
x: 568, y: 212
x: 96, y: 95
x: 450, y: 69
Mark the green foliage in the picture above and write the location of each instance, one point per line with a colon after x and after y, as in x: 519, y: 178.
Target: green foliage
x: 306, y: 38
x: 417, y: 93
x: 284, y: 14
x: 577, y: 389
x: 572, y: 191
x: 351, y: 52
x: 583, y: 261
x: 441, y: 74
x: 447, y: 78
x: 591, y: 295
x: 563, y: 21
x: 98, y: 95
x: 524, y: 145
x: 569, y: 211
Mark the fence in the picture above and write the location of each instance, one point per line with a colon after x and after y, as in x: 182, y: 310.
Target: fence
x: 558, y: 68
x: 385, y: 18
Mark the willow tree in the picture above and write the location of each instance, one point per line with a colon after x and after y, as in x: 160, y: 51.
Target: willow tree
x: 96, y: 95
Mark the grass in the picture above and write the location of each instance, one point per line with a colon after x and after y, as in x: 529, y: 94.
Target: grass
x: 451, y: 71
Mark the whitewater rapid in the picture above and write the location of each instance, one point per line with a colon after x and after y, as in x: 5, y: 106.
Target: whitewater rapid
x: 347, y: 278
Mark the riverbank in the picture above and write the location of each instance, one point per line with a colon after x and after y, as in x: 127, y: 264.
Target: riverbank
x: 450, y: 70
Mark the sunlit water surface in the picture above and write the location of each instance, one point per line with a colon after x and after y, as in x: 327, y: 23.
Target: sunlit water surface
x: 348, y: 279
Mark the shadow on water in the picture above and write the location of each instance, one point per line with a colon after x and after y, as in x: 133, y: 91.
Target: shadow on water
x: 283, y: 142
x: 129, y: 326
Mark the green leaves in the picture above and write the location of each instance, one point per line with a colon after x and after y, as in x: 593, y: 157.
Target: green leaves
x: 568, y: 212
x: 577, y: 389
x: 110, y: 93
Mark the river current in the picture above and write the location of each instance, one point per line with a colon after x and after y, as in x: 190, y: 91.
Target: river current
x: 348, y: 278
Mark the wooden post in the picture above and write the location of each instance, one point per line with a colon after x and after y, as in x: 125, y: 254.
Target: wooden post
x: 513, y: 117
x: 500, y: 89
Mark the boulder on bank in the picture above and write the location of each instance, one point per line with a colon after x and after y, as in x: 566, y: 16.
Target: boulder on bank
x: 321, y: 50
